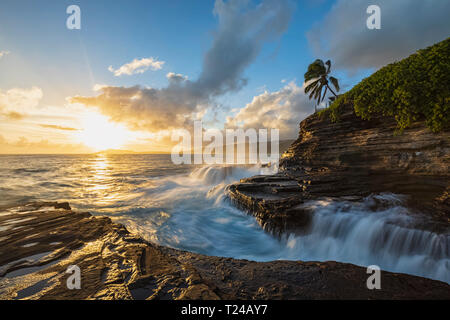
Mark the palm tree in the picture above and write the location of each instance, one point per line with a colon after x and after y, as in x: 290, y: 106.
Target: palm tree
x: 318, y: 72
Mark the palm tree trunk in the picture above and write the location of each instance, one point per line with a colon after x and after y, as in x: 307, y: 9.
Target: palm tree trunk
x: 331, y: 90
x: 318, y: 102
x: 324, y: 94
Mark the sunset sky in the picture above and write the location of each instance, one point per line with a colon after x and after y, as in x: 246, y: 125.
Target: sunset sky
x: 137, y: 70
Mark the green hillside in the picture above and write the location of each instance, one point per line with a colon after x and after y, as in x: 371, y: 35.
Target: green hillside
x: 413, y: 89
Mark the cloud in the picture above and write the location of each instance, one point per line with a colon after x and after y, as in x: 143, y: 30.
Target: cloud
x: 282, y: 110
x: 137, y: 66
x: 145, y: 109
x: 176, y: 77
x: 406, y: 26
x: 11, y: 115
x: 17, y: 102
x: 243, y: 28
x: 57, y: 127
x: 23, y: 145
x: 3, y: 53
x: 242, y: 31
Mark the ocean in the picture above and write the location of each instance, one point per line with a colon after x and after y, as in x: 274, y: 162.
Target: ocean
x: 185, y: 207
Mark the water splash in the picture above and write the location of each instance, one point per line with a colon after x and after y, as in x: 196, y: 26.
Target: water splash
x: 378, y: 230
x: 359, y: 234
x: 185, y: 207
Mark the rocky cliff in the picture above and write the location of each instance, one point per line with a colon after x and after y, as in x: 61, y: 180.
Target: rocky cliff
x: 350, y: 159
x: 346, y: 160
x: 382, y: 139
x: 40, y: 241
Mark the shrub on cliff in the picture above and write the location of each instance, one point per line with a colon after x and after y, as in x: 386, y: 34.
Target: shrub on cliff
x: 415, y: 88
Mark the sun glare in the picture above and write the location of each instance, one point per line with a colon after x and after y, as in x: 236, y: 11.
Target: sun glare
x: 100, y: 134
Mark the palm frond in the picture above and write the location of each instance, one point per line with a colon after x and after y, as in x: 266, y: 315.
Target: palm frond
x: 315, y: 70
x: 318, y: 91
x: 335, y: 83
x: 311, y: 86
x: 328, y: 63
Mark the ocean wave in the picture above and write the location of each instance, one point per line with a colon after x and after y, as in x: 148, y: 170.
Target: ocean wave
x: 185, y: 207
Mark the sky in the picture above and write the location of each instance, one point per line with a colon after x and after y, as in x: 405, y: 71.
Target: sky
x: 136, y: 71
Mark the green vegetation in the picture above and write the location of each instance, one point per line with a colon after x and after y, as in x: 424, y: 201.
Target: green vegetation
x: 413, y: 89
x: 318, y: 74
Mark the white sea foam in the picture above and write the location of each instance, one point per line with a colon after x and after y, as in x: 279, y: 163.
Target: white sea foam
x: 185, y: 207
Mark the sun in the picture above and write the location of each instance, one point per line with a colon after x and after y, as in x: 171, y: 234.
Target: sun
x: 99, y: 133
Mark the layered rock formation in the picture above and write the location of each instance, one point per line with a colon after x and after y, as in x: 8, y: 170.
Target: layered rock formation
x: 348, y: 160
x: 40, y: 241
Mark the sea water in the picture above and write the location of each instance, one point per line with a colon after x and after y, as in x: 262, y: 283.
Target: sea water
x: 185, y: 207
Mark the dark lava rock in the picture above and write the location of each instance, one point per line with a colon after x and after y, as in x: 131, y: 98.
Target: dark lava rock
x: 38, y: 244
x: 351, y: 159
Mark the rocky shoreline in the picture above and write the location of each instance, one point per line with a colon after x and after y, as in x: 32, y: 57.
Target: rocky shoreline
x: 349, y: 160
x: 345, y: 161
x: 41, y: 240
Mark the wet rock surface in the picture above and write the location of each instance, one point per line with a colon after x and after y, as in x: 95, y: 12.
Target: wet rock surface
x: 348, y: 160
x: 40, y: 241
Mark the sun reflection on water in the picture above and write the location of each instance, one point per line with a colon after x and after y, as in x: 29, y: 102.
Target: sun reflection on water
x: 98, y: 182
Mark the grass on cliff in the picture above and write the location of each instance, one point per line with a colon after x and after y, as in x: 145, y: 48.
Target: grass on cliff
x: 416, y: 88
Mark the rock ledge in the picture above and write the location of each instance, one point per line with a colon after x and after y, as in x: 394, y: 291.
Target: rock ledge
x: 39, y: 241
